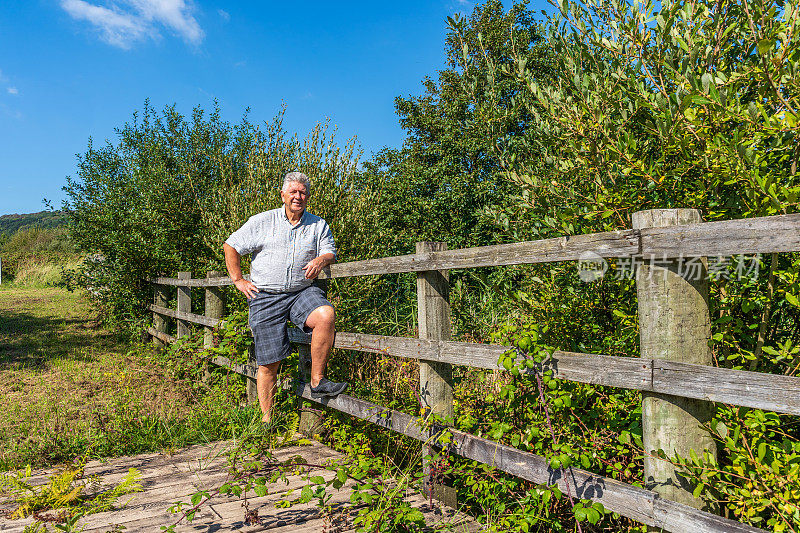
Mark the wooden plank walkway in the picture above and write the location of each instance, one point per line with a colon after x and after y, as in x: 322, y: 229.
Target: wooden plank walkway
x: 166, y: 479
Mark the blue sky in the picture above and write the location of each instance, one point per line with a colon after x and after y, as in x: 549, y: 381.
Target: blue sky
x: 74, y: 69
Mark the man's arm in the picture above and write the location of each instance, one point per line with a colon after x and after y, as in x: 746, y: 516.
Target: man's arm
x: 233, y: 262
x: 315, y: 266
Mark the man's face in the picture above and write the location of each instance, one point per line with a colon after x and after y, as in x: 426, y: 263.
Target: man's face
x: 295, y: 197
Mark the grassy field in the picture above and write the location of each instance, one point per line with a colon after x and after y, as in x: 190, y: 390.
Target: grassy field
x: 70, y: 387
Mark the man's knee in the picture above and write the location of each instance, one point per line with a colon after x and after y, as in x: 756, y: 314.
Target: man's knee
x: 323, y: 316
x: 269, y: 370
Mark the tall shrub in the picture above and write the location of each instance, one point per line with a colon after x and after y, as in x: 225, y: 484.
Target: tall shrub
x: 165, y: 196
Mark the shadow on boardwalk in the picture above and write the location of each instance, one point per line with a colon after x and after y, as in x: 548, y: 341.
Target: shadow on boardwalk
x: 167, y: 479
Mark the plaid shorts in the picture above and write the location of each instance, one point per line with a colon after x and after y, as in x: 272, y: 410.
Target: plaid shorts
x: 268, y: 314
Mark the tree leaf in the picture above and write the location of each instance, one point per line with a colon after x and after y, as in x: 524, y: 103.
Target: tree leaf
x: 792, y: 299
x: 765, y: 46
x: 706, y: 81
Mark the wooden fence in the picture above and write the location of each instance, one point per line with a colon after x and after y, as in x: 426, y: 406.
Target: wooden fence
x: 672, y: 381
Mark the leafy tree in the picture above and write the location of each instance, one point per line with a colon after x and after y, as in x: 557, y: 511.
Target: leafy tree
x: 134, y: 207
x: 673, y: 104
x: 693, y: 105
x: 448, y: 171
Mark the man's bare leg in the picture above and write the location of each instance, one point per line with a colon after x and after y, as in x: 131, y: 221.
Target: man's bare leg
x: 267, y: 383
x: 321, y: 321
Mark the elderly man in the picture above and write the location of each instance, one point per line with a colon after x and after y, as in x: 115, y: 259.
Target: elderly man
x: 290, y: 248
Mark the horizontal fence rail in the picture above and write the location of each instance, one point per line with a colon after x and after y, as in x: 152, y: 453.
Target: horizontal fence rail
x: 611, y: 244
x: 216, y: 281
x: 188, y: 317
x: 249, y: 370
x: 780, y: 233
x: 160, y: 335
x: 651, y: 375
x: 628, y: 500
x: 757, y: 390
x: 737, y: 387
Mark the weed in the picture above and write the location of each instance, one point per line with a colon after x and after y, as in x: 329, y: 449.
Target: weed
x: 65, y: 493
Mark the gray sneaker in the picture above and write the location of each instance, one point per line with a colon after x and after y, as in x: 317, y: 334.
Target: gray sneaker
x: 327, y: 389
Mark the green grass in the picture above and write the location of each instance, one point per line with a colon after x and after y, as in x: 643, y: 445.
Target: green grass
x: 72, y: 388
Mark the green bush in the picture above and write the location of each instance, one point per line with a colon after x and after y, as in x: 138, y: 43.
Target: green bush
x: 167, y: 194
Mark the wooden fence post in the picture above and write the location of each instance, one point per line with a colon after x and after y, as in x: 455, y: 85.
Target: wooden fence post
x: 214, y: 308
x: 159, y: 321
x: 252, y: 383
x: 435, y: 379
x: 674, y: 324
x: 310, y: 418
x: 184, y: 304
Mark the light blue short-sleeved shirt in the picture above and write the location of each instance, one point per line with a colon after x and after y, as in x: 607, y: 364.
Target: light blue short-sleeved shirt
x: 280, y: 250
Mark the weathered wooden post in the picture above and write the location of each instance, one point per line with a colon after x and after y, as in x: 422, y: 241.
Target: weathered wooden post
x: 159, y: 321
x: 214, y: 309
x: 435, y: 379
x: 310, y: 418
x: 184, y: 304
x: 252, y: 383
x: 674, y: 324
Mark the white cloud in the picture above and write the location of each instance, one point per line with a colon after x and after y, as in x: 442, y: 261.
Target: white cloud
x: 116, y: 28
x: 4, y: 81
x: 458, y: 5
x: 224, y: 15
x: 122, y: 23
x: 174, y: 14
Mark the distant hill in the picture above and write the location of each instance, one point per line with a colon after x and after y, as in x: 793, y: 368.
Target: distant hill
x: 44, y: 219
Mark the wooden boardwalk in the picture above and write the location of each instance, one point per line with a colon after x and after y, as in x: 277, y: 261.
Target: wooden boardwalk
x: 166, y: 479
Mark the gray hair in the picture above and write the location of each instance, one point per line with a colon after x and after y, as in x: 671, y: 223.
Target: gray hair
x: 297, y: 177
